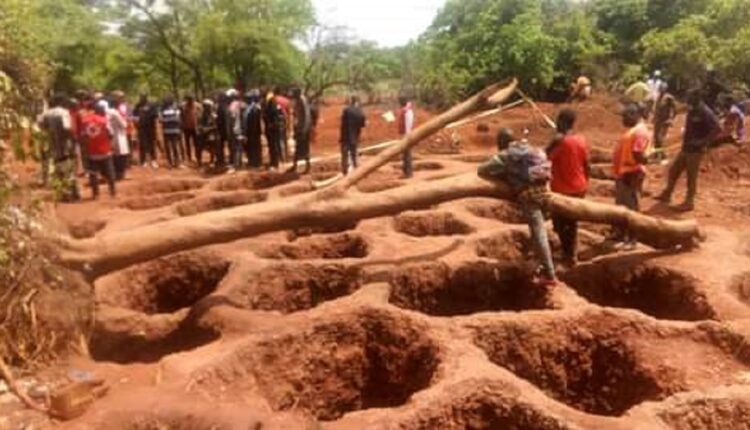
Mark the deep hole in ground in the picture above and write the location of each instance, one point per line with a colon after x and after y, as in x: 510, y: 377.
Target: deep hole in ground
x: 485, y: 407
x: 370, y: 186
x: 656, y: 291
x: 165, y: 186
x: 154, y: 201
x: 595, y: 373
x: 436, y: 289
x: 254, y: 181
x: 220, y: 201
x: 741, y: 287
x: 369, y: 360
x: 164, y: 285
x: 86, y: 229
x: 329, y: 247
x: 294, y: 287
x: 421, y: 166
x: 507, y: 245
x: 296, y: 234
x: 499, y: 210
x: 422, y: 224
x: 140, y: 342
x: 709, y: 414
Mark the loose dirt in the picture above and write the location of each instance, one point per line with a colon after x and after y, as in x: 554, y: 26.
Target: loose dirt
x: 425, y: 320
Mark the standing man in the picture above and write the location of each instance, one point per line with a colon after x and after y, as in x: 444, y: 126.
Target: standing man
x: 206, y: 132
x: 629, y: 168
x: 285, y: 116
x: 190, y: 115
x: 253, y: 130
x: 146, y: 116
x: 664, y: 115
x: 302, y: 128
x: 98, y: 139
x: 526, y: 170
x: 701, y: 128
x: 171, y: 126
x: 222, y: 127
x: 654, y: 85
x: 569, y: 155
x: 237, y: 134
x: 271, y: 123
x: 58, y: 124
x: 352, y: 123
x: 118, y: 125
x: 406, y: 120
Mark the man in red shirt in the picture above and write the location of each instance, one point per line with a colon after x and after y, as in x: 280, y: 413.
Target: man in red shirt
x: 98, y: 137
x: 569, y: 155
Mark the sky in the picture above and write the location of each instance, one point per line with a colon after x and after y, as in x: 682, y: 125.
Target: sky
x: 387, y: 22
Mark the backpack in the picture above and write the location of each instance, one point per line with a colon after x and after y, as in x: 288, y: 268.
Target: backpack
x: 526, y: 166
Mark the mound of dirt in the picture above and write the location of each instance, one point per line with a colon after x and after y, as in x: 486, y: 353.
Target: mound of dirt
x: 216, y: 202
x: 154, y: 201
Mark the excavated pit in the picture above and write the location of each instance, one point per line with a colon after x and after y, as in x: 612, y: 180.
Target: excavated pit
x: 740, y: 286
x: 499, y: 210
x: 421, y: 166
x: 291, y: 288
x: 165, y: 285
x: 592, y: 372
x: 709, y: 414
x: 370, y: 186
x: 509, y: 245
x: 423, y: 224
x: 656, y: 291
x: 296, y: 234
x: 217, y: 202
x: 86, y: 229
x: 154, y: 201
x: 331, y: 247
x: 484, y: 406
x: 254, y: 181
x: 436, y: 289
x: 165, y: 186
x: 371, y: 360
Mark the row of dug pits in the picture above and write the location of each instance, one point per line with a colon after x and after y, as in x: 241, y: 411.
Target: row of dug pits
x: 463, y: 340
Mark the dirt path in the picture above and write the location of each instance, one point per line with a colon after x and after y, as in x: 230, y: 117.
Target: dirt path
x: 427, y: 320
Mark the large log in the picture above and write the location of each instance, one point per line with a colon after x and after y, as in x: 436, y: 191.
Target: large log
x: 118, y: 250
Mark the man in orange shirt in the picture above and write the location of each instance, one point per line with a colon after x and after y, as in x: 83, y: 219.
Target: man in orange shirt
x: 569, y: 156
x: 629, y: 168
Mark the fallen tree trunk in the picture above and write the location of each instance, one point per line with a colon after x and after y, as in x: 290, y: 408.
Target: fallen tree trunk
x: 116, y: 251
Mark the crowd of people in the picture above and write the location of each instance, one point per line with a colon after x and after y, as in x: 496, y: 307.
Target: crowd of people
x: 101, y: 136
x: 649, y: 110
